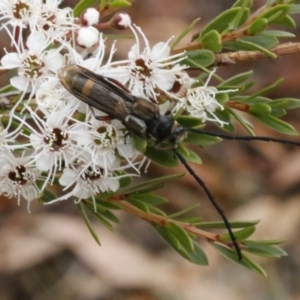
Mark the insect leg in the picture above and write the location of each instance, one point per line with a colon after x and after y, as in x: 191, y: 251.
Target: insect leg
x: 213, y: 201
x: 247, y: 138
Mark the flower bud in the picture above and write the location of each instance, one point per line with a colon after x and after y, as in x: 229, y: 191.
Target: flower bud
x: 87, y: 36
x: 90, y: 16
x: 120, y: 21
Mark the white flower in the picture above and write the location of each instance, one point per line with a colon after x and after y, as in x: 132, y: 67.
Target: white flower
x: 52, y: 96
x: 148, y: 70
x: 201, y: 102
x: 87, y: 182
x: 107, y: 143
x: 53, y: 146
x: 55, y: 21
x: 34, y: 62
x: 18, y: 13
x: 18, y: 176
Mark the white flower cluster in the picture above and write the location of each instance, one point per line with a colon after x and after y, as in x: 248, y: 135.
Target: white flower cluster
x: 60, y: 137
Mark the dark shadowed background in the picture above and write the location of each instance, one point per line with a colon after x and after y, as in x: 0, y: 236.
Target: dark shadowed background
x: 49, y: 253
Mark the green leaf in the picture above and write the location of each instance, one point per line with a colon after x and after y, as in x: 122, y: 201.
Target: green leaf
x: 197, y: 256
x: 47, y: 196
x: 183, y: 211
x: 149, y: 198
x: 287, y: 21
x: 235, y: 224
x: 266, y: 89
x: 277, y: 33
x: 88, y: 223
x: 167, y: 236
x: 190, y: 220
x: 181, y: 235
x: 257, y: 100
x: 199, y: 58
x: 242, y: 44
x: 140, y: 144
x: 285, y: 103
x: 108, y: 204
x: 189, y: 155
x: 119, y: 3
x: 153, y: 183
x: 161, y: 157
x: 278, y: 113
x: 243, y: 121
x: 266, y: 242
x: 201, y: 139
x: 277, y: 124
x: 184, y: 33
x: 236, y: 80
x: 82, y: 5
x: 189, y: 121
x: 240, y: 234
x: 265, y: 42
x: 100, y: 218
x: 110, y: 216
x: 257, y: 26
x: 156, y: 210
x: 6, y: 89
x: 246, y: 262
x: 139, y: 204
x: 243, y: 3
x: 224, y: 116
x: 212, y: 41
x: 276, y: 13
x: 228, y: 20
x: 124, y: 181
x: 264, y: 250
x: 260, y: 109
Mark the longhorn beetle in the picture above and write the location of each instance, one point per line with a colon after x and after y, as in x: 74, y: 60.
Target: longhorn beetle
x: 142, y: 117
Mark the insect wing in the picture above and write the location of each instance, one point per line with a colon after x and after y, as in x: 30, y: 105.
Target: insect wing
x: 96, y: 91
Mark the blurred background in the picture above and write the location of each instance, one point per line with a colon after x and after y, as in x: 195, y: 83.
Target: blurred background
x: 49, y: 253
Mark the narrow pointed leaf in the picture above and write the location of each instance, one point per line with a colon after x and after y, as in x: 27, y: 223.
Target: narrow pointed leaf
x: 149, y: 198
x: 234, y: 224
x: 154, y: 182
x: 236, y: 80
x: 264, y: 250
x: 101, y: 219
x: 246, y: 262
x: 181, y: 235
x: 240, y: 234
x: 199, y: 58
x: 139, y: 204
x: 82, y: 5
x: 88, y: 223
x: 161, y: 157
x: 277, y: 124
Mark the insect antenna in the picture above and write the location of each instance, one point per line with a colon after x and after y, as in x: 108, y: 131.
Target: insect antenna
x: 212, y: 200
x: 248, y: 138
